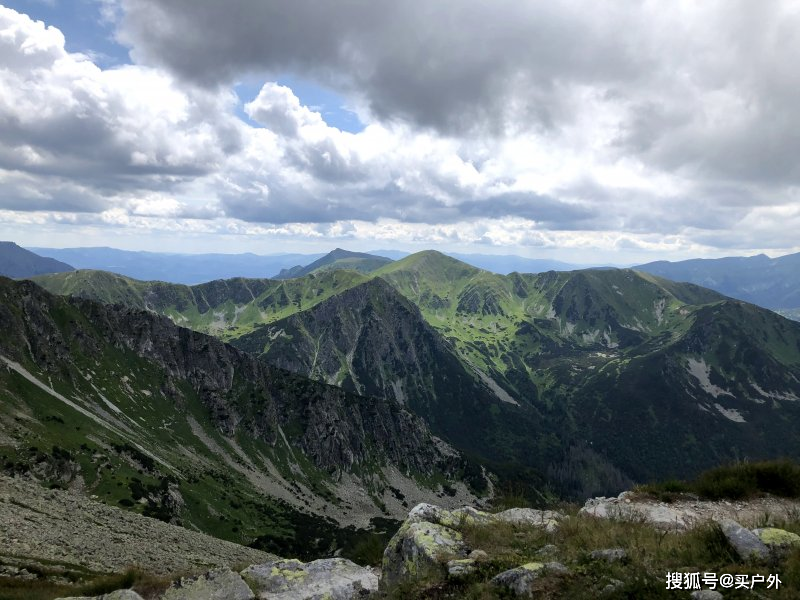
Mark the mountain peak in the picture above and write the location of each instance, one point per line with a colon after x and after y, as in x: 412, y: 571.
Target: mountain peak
x: 17, y: 262
x: 338, y: 258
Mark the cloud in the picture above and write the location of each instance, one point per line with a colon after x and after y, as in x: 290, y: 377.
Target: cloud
x: 75, y: 125
x: 651, y: 126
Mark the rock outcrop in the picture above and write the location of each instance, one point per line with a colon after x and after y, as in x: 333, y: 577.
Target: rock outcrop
x: 682, y: 515
x: 330, y: 578
x: 429, y: 546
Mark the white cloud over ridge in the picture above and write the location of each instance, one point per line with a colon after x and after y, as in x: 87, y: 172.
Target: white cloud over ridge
x: 628, y: 125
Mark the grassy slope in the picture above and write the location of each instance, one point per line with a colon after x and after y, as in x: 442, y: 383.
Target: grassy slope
x: 584, y: 348
x: 225, y: 308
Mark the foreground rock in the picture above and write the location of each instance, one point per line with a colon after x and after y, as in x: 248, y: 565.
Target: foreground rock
x: 219, y: 584
x: 64, y: 528
x: 429, y: 547
x: 519, y: 581
x: 330, y: 578
x: 779, y: 541
x: 747, y: 544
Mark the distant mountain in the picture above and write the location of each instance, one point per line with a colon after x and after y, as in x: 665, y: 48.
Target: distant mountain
x: 769, y: 282
x: 176, y: 268
x: 337, y: 259
x: 18, y: 263
x: 505, y: 264
x: 587, y: 379
x: 226, y: 308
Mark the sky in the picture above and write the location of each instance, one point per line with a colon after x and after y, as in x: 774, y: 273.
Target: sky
x: 616, y: 132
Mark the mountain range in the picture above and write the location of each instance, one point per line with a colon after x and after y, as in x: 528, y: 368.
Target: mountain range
x: 769, y: 282
x: 199, y: 268
x: 16, y: 262
x: 572, y: 383
x: 123, y: 404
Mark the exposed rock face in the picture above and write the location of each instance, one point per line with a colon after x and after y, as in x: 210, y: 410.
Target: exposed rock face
x: 747, y: 544
x: 336, y: 430
x: 330, y: 578
x: 372, y: 340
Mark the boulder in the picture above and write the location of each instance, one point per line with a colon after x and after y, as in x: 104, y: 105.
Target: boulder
x: 746, y: 543
x: 779, y: 541
x: 454, y: 519
x: 460, y: 567
x: 329, y: 578
x: 612, y: 586
x: 547, y: 519
x: 609, y: 555
x: 519, y: 581
x: 547, y: 550
x: 418, y: 554
x: 218, y: 584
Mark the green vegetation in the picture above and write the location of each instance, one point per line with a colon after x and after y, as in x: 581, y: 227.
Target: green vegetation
x: 649, y: 555
x: 734, y: 482
x: 55, y: 582
x: 605, y: 376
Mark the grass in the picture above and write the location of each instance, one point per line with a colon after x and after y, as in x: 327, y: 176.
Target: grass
x: 651, y: 554
x: 736, y: 481
x: 91, y: 584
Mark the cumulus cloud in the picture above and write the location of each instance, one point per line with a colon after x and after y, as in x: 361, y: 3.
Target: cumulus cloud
x: 635, y: 125
x: 75, y: 125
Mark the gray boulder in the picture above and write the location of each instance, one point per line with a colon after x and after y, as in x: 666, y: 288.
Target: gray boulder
x: 418, y: 554
x: 609, y: 555
x: 747, y: 544
x: 328, y: 579
x: 460, y: 567
x: 519, y: 581
x: 706, y: 595
x: 547, y: 519
x: 218, y: 584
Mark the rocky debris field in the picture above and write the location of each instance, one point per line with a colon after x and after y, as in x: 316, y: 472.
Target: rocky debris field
x: 62, y: 528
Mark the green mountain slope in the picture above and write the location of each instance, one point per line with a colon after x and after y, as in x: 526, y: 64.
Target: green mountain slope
x: 337, y: 259
x: 373, y: 341
x: 17, y: 262
x: 586, y: 378
x: 225, y: 308
x: 122, y: 404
